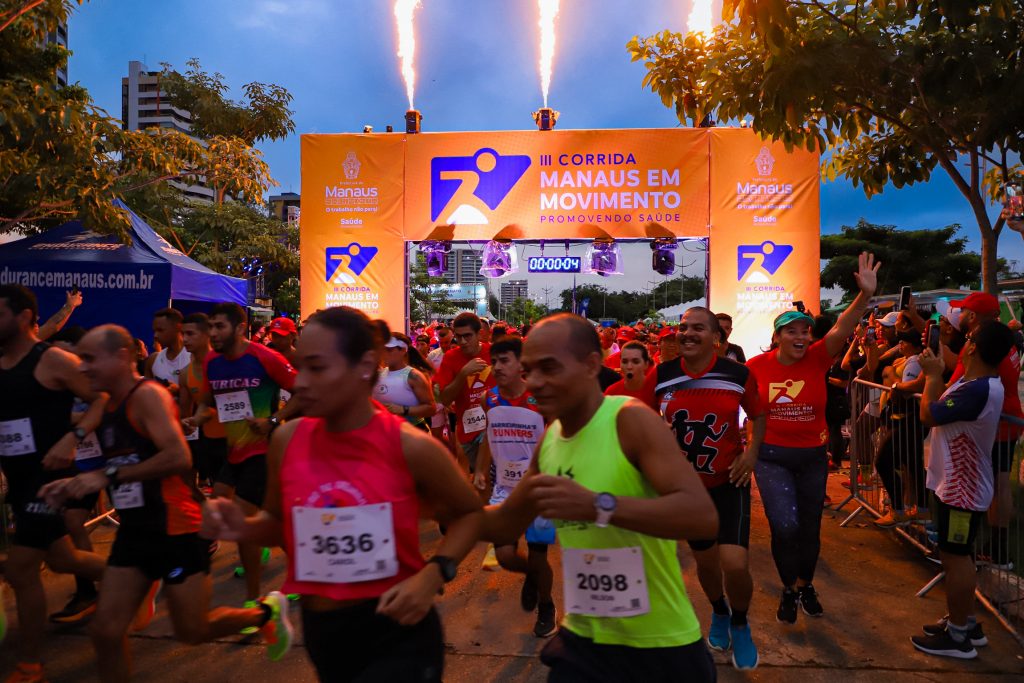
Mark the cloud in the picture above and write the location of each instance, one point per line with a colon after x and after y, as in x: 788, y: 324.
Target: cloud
x: 281, y: 15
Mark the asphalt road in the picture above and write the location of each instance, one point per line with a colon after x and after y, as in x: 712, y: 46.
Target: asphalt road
x: 866, y: 580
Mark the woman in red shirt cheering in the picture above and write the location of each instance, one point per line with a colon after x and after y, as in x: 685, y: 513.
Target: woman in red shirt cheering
x: 792, y: 467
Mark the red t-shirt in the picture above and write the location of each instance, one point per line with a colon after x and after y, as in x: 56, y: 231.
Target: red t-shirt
x: 1009, y: 374
x: 703, y: 411
x: 619, y: 389
x: 795, y: 396
x: 614, y: 362
x: 469, y: 416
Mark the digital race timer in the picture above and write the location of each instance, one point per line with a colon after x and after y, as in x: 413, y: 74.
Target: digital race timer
x: 554, y: 264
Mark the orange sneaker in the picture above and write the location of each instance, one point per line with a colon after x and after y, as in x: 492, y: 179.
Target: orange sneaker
x: 27, y: 672
x: 148, y: 607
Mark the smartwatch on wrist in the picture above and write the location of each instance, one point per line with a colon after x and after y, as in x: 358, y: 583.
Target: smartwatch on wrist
x: 405, y: 411
x: 605, y: 504
x: 275, y: 422
x: 79, y: 433
x: 446, y: 565
x: 111, y: 473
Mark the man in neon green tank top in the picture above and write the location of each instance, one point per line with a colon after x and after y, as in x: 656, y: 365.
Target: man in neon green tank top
x: 609, y: 474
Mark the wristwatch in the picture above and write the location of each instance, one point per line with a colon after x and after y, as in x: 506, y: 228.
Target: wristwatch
x: 446, y: 565
x: 111, y: 473
x: 605, y: 504
x: 79, y: 433
x: 405, y: 411
x: 274, y: 422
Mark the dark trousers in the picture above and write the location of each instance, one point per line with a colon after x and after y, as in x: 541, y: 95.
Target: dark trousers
x: 357, y: 645
x: 836, y: 442
x: 575, y: 659
x: 900, y: 462
x: 792, y: 485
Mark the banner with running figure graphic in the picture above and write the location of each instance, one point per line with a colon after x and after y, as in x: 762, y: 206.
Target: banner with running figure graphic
x: 765, y: 233
x: 364, y: 196
x: 352, y: 241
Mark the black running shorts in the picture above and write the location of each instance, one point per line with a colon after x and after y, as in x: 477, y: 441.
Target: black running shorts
x: 957, y: 528
x: 575, y: 659
x: 733, y: 505
x: 160, y: 556
x: 248, y: 478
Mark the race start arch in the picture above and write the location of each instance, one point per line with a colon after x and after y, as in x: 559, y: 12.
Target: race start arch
x: 364, y: 196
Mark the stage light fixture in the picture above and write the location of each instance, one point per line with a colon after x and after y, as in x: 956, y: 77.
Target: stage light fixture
x: 663, y: 256
x: 436, y: 254
x: 545, y: 118
x: 413, y: 119
x: 603, y: 258
x: 500, y: 259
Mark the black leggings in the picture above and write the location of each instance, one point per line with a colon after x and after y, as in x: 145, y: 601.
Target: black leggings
x: 902, y: 455
x: 792, y: 485
x: 357, y: 645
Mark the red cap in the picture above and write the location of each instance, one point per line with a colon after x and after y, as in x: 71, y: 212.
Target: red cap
x: 282, y: 326
x: 626, y: 334
x: 979, y: 302
x: 667, y: 332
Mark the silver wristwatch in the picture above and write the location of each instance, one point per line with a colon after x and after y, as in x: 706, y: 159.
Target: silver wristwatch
x: 605, y: 504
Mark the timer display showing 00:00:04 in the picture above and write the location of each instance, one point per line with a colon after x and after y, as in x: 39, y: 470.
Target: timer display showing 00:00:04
x: 554, y: 264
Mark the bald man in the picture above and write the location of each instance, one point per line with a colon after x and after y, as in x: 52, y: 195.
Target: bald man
x: 148, y: 478
x: 610, y: 476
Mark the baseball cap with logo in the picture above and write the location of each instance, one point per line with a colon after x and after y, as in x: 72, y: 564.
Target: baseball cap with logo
x: 667, y: 332
x: 395, y: 343
x: 282, y: 326
x: 979, y: 302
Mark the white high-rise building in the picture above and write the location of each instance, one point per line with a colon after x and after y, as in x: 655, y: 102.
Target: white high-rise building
x: 512, y: 290
x: 144, y: 105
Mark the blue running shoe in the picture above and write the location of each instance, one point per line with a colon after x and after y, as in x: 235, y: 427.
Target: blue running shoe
x: 744, y: 653
x: 718, y: 636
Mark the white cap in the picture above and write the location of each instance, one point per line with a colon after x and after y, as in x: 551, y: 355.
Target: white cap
x: 395, y: 343
x: 889, y: 319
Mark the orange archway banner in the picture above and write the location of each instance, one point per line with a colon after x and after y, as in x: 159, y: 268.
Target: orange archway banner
x: 365, y: 195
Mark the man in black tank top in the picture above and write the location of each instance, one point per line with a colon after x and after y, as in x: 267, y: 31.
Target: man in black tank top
x: 38, y: 384
x: 147, y: 474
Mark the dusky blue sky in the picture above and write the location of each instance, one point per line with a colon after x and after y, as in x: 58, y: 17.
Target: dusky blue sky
x: 476, y: 63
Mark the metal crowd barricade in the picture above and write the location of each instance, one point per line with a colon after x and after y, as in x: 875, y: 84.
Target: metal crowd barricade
x: 888, y: 443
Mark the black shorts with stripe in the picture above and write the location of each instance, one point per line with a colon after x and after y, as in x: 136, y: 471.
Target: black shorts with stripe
x: 733, y: 505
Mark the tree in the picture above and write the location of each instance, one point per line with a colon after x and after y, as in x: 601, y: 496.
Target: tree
x: 62, y: 158
x: 680, y: 290
x: 522, y: 311
x: 427, y: 300
x: 921, y: 259
x: 892, y: 88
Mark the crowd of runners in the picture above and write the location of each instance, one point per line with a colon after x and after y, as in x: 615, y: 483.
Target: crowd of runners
x: 336, y: 443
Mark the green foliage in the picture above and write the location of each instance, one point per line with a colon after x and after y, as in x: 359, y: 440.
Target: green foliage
x: 522, y: 311
x: 63, y: 158
x: 922, y: 259
x: 893, y: 88
x: 427, y: 301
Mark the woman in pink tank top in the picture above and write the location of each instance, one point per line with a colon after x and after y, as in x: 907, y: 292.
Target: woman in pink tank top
x: 344, y: 489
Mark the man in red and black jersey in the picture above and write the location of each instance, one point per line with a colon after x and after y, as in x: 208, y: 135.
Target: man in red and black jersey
x: 147, y: 474
x: 700, y: 395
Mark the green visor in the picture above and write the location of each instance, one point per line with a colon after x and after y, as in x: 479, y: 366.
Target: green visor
x: 792, y: 317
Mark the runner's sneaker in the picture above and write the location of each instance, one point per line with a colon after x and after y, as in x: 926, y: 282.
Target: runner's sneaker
x: 77, y: 609
x: 718, y: 634
x: 277, y: 632
x: 148, y: 607
x: 528, y: 595
x: 976, y: 635
x: 26, y: 672
x: 546, y: 625
x: 744, y: 652
x: 788, y: 607
x: 809, y: 601
x: 249, y: 630
x: 893, y: 518
x: 943, y: 645
x: 490, y: 563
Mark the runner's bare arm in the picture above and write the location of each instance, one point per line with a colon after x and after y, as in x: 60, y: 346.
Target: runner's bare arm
x: 506, y: 522
x: 224, y: 519
x: 147, y: 370
x: 683, y: 508
x: 56, y: 321
x: 444, y: 488
x: 483, y: 464
x: 59, y: 369
x: 420, y: 386
x: 152, y: 410
x: 867, y: 281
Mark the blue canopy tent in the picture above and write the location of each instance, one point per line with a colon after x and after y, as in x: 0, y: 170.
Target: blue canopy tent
x: 120, y: 283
